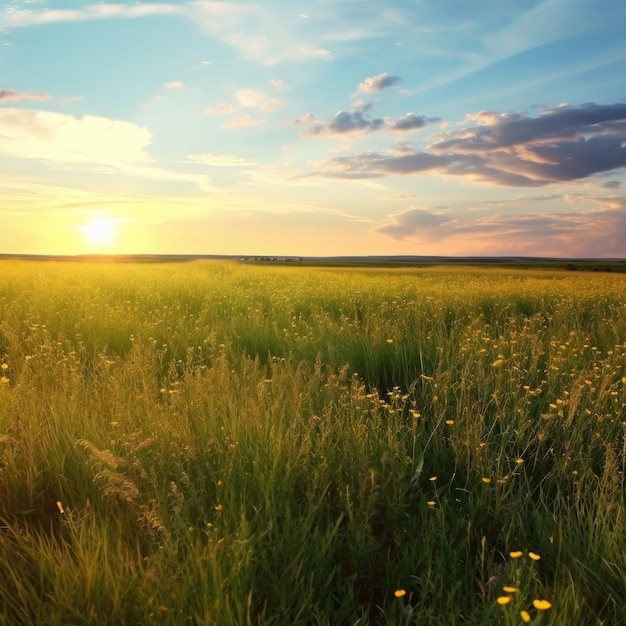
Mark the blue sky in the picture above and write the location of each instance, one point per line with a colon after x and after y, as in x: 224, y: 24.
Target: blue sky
x: 473, y: 127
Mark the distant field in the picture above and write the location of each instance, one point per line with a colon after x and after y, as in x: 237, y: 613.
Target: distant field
x: 222, y: 443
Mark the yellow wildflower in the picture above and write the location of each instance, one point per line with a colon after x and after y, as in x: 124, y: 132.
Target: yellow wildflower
x: 542, y: 605
x: 525, y: 615
x: 516, y: 554
x: 399, y: 593
x: 510, y: 589
x: 486, y: 480
x: 502, y: 600
x: 534, y: 556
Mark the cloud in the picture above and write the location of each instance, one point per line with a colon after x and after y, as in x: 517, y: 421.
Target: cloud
x: 13, y: 17
x: 561, y: 144
x: 596, y: 232
x: 378, y: 83
x: 90, y: 143
x: 219, y: 160
x: 277, y: 84
x: 346, y: 122
x: 10, y: 95
x: 223, y: 108
x: 240, y: 121
x: 410, y: 121
x: 271, y: 105
x: 60, y: 138
x: 174, y: 84
x: 249, y: 97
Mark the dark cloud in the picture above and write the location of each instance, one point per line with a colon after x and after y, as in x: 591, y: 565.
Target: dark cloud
x: 503, y: 130
x: 414, y: 221
x: 355, y: 121
x: 378, y: 83
x: 346, y: 122
x: 410, y: 121
x: 561, y: 144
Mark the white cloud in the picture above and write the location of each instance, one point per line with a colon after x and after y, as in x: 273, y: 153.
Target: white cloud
x: 174, y: 84
x: 378, y: 83
x: 13, y: 17
x: 249, y: 97
x: 60, y: 138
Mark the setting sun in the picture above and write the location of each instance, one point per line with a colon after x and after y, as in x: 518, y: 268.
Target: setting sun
x: 100, y: 232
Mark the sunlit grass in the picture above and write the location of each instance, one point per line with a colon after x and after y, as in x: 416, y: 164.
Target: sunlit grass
x: 213, y: 443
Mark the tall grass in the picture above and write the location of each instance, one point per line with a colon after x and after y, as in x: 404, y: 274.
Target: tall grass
x: 212, y: 443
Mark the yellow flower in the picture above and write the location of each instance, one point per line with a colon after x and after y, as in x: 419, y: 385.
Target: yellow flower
x: 486, y: 480
x: 4, y: 366
x: 431, y: 503
x: 4, y: 379
x: 510, y: 589
x: 502, y: 600
x: 389, y: 340
x: 525, y: 616
x: 516, y: 554
x: 432, y: 479
x: 449, y: 422
x: 534, y: 556
x: 519, y: 461
x: 542, y: 605
x: 218, y: 507
x: 60, y: 507
x: 497, y: 363
x: 399, y: 593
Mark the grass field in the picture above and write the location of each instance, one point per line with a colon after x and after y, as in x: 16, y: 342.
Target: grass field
x: 215, y: 443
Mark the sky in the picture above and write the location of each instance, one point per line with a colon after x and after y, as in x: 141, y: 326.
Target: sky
x: 318, y: 128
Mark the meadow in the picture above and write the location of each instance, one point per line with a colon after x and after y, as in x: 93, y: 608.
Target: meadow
x: 229, y: 444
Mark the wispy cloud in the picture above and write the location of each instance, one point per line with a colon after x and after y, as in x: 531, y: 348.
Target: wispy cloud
x: 14, y: 18
x: 10, y: 95
x: 223, y: 108
x: 240, y: 121
x: 219, y: 160
x: 174, y: 85
x: 596, y: 232
x: 378, y: 83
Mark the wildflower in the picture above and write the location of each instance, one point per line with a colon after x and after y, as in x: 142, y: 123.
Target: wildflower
x: 519, y: 461
x: 534, y: 556
x: 486, y: 480
x: 4, y: 366
x: 525, y: 615
x: 432, y: 479
x: 399, y: 593
x: 510, y: 589
x: 431, y: 503
x: 516, y: 554
x: 389, y: 340
x: 4, y: 379
x: 542, y: 605
x: 449, y: 422
x: 218, y: 507
x: 60, y: 507
x: 502, y: 600
x: 497, y: 363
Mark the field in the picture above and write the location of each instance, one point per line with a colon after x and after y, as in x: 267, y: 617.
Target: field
x: 229, y: 444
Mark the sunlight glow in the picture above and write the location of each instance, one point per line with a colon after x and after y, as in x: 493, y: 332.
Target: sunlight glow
x: 100, y: 232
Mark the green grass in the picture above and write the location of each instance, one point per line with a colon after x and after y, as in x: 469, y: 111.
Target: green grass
x: 214, y: 443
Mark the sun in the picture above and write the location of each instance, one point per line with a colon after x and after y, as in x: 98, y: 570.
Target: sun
x: 99, y: 232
